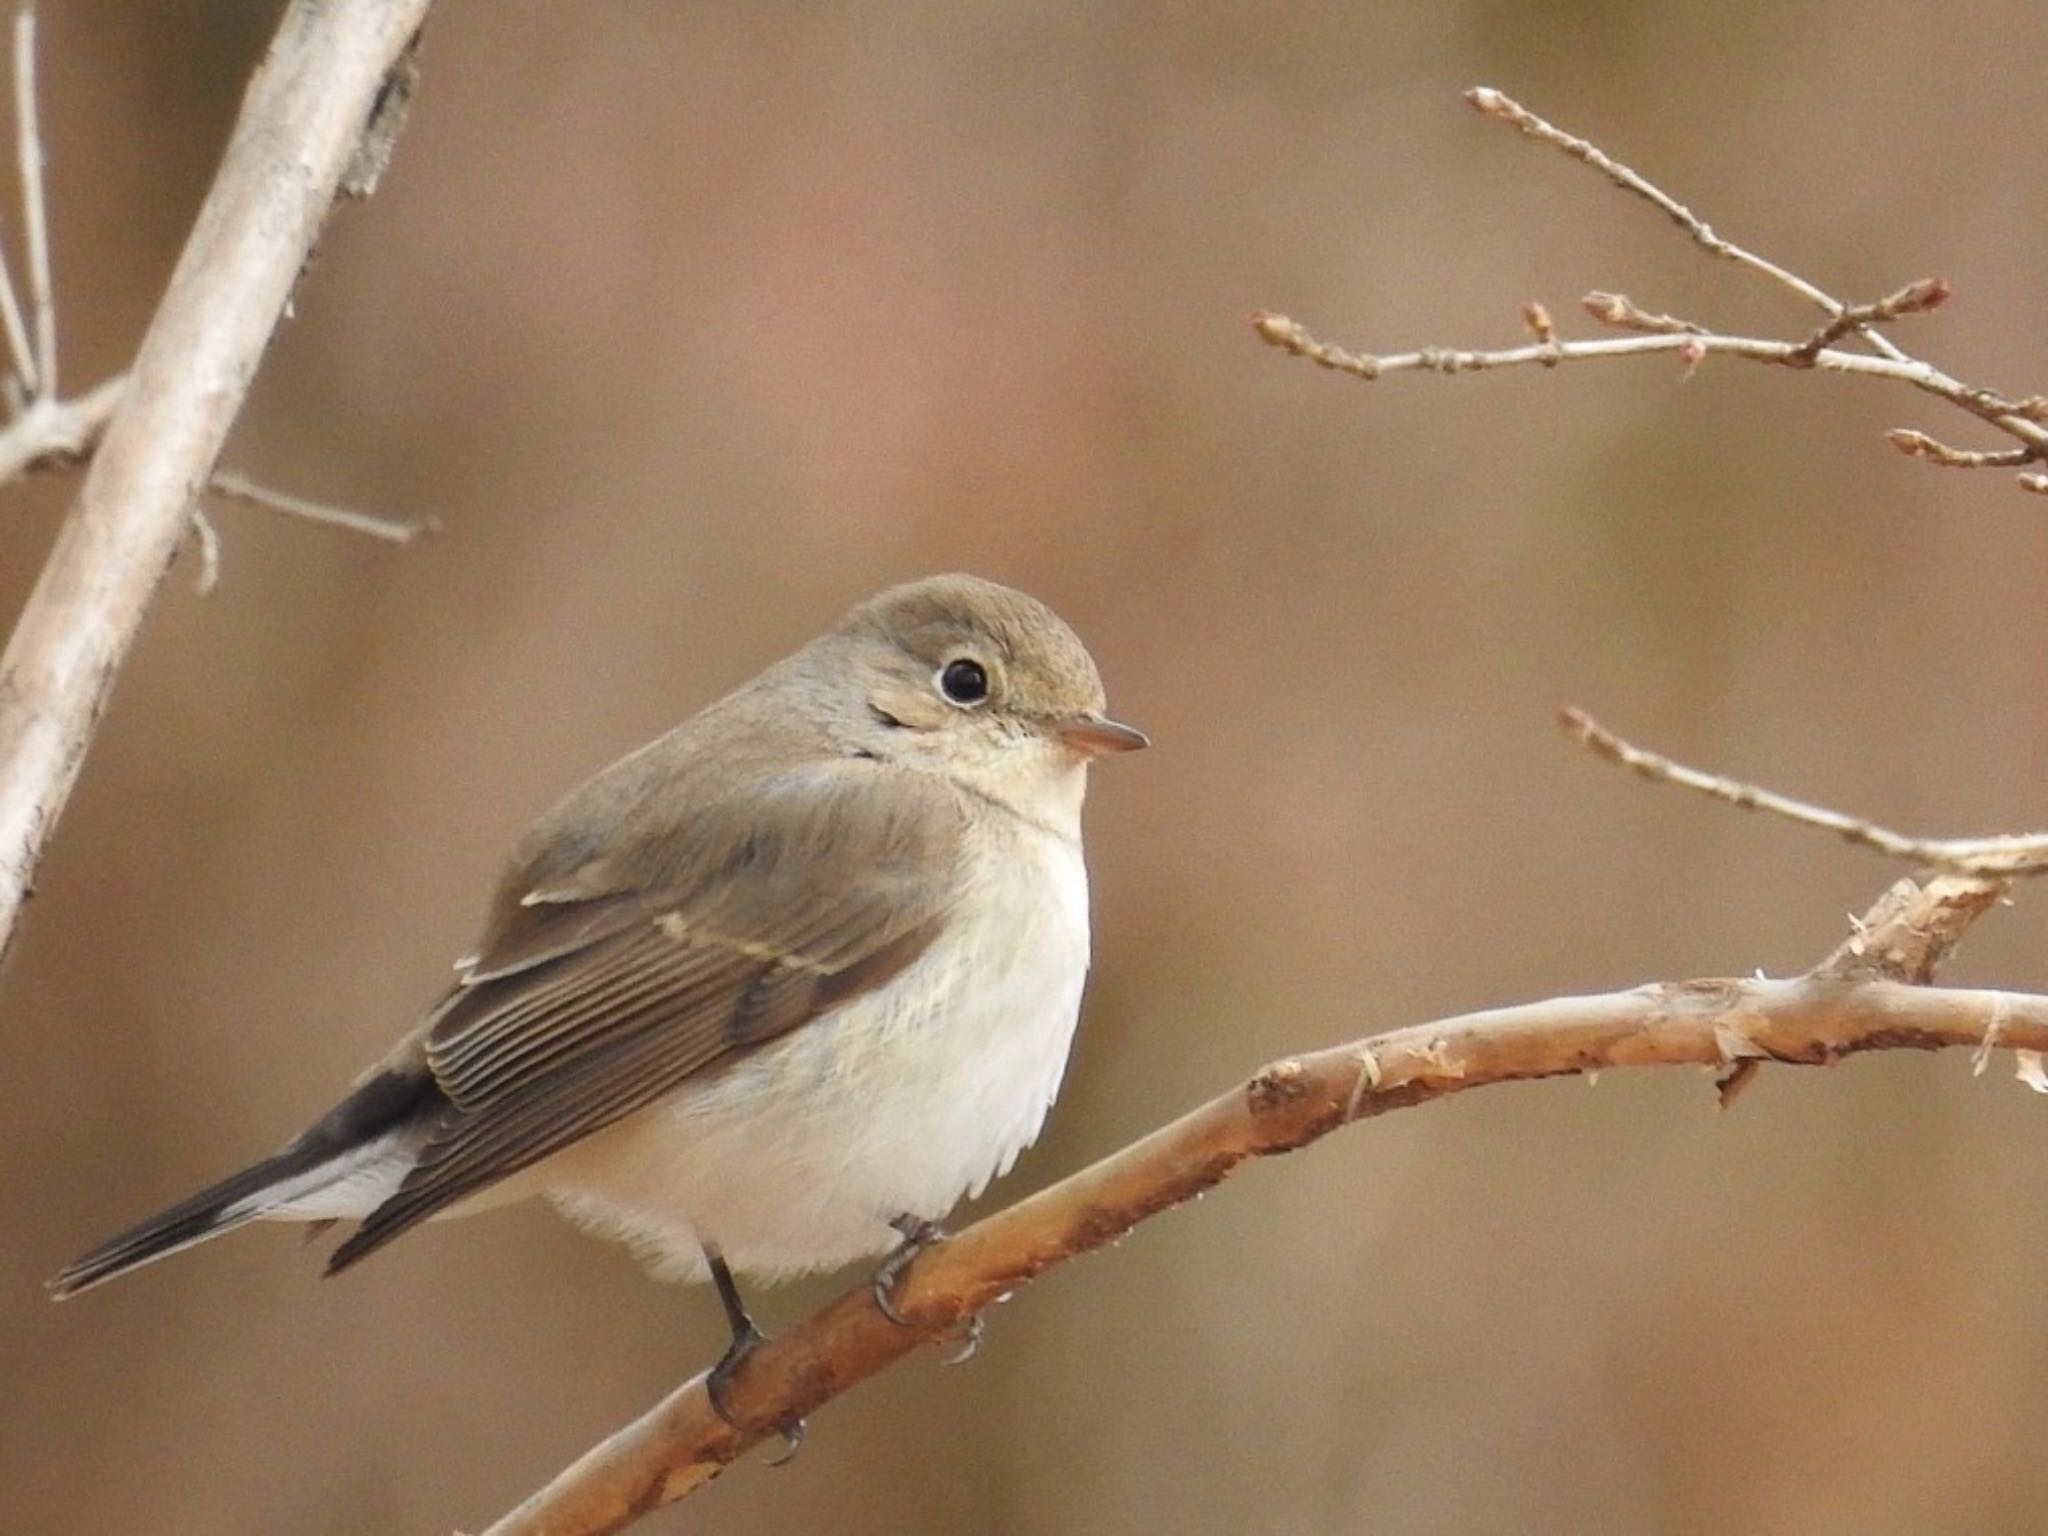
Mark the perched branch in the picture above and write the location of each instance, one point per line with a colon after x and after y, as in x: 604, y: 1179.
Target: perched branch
x: 2020, y: 419
x: 682, y: 1444
x: 304, y: 113
x: 1984, y: 857
x: 1863, y: 997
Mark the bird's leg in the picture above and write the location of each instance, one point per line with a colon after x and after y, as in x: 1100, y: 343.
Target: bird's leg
x: 918, y: 1234
x: 746, y: 1338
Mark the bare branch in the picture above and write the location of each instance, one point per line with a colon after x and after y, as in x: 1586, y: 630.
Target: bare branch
x: 1681, y: 338
x: 1913, y: 299
x: 1982, y: 857
x: 1677, y: 337
x: 391, y: 529
x: 1918, y: 445
x: 208, y: 538
x: 1505, y: 109
x: 301, y: 119
x: 1912, y: 929
x: 21, y: 385
x: 35, y: 219
x: 2023, y: 420
x: 18, y: 347
x: 681, y: 1444
x: 1622, y: 312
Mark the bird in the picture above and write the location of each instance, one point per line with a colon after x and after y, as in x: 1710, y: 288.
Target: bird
x: 770, y: 994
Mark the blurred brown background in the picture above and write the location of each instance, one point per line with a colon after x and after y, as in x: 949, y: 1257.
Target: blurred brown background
x: 694, y: 324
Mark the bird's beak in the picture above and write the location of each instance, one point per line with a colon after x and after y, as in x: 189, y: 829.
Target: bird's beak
x: 1098, y: 735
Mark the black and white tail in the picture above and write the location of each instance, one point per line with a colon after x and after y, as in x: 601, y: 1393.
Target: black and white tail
x: 345, y: 1165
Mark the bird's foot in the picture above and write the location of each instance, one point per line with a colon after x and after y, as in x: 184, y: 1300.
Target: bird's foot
x: 718, y: 1386
x: 919, y: 1234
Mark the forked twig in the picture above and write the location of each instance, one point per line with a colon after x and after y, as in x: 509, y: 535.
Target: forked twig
x: 300, y: 121
x: 1506, y: 109
x: 2023, y: 420
x: 46, y: 431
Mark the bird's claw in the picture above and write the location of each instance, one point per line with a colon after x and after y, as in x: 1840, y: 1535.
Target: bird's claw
x: 718, y: 1383
x: 918, y: 1235
x: 792, y: 1438
x: 970, y: 1340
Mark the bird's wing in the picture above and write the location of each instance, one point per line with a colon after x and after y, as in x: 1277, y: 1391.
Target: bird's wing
x: 604, y: 993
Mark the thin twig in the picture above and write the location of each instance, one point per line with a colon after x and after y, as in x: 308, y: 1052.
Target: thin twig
x: 1506, y: 109
x: 18, y: 348
x: 1687, y: 344
x: 17, y: 331
x: 46, y: 430
x: 1918, y: 445
x: 1913, y: 299
x: 1982, y: 857
x: 18, y: 344
x: 208, y: 539
x: 1624, y: 314
x: 2023, y: 420
x: 393, y: 530
x: 36, y: 231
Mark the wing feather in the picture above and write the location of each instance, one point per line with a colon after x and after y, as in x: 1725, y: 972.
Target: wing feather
x: 778, y: 905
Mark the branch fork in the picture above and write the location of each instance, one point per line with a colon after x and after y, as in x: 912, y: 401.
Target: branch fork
x: 1690, y: 342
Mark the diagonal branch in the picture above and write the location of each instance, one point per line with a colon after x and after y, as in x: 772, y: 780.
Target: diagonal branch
x: 1852, y: 1002
x: 305, y: 111
x: 1996, y: 858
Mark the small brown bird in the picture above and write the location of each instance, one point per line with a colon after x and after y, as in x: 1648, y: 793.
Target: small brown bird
x: 772, y: 992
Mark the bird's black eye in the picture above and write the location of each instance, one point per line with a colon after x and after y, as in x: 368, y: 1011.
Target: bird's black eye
x: 964, y: 682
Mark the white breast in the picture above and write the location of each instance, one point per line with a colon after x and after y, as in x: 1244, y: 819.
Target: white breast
x: 909, y: 1097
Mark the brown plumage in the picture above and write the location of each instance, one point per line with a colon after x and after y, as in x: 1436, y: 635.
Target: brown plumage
x: 789, y: 850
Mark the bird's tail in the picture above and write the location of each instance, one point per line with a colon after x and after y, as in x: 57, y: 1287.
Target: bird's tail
x: 343, y: 1166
